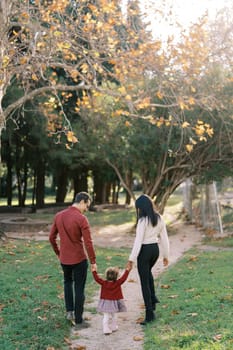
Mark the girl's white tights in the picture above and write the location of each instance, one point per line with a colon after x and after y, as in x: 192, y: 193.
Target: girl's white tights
x: 109, y: 322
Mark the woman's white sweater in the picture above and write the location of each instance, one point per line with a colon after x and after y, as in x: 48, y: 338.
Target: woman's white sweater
x: 148, y: 234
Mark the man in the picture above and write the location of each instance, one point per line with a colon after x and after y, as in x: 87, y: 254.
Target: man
x: 73, y: 229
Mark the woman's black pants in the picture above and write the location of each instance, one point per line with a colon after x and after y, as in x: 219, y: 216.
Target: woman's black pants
x: 147, y: 257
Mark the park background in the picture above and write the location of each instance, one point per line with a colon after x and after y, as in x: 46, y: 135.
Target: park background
x: 94, y: 97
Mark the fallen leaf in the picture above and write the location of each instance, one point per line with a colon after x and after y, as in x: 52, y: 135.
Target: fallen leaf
x: 131, y: 280
x: 36, y: 309
x: 138, y: 338
x: 67, y: 341
x: 193, y: 258
x: 165, y: 286
x: 193, y: 314
x: 217, y: 337
x: 42, y: 318
x: 174, y: 296
x: 175, y: 312
x: 139, y: 320
x: 78, y: 347
x: 2, y: 306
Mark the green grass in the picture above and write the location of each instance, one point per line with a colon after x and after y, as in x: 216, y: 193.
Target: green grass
x: 196, y: 306
x: 112, y: 217
x: 100, y: 218
x: 226, y: 242
x: 32, y: 315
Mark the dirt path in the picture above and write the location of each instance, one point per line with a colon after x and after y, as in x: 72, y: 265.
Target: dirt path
x: 130, y: 333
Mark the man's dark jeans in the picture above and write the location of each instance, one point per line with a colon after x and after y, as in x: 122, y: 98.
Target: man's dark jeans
x: 74, y: 284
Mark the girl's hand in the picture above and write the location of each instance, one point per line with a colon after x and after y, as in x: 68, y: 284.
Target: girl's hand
x: 129, y: 265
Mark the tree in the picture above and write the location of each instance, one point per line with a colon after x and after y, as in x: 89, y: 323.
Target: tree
x: 89, y: 52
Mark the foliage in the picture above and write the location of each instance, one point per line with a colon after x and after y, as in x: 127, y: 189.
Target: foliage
x: 79, y: 50
x: 90, y: 65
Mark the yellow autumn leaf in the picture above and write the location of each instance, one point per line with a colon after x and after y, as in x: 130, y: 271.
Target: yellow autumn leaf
x: 57, y: 33
x: 159, y: 95
x: 199, y: 130
x: 192, y: 141
x: 185, y: 125
x: 5, y: 61
x: 23, y: 60
x: 128, y: 97
x: 189, y: 148
x: 84, y: 67
x: 70, y: 136
x: 160, y: 122
x: 34, y: 77
x: 182, y: 105
x: 144, y: 103
x: 127, y: 123
x: 191, y: 101
x: 122, y: 90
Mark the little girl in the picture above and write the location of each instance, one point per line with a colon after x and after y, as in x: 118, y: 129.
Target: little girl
x: 111, y: 296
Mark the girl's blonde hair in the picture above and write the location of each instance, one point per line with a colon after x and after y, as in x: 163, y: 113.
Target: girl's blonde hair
x: 111, y: 273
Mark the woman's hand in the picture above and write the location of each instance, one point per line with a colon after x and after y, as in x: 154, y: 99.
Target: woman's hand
x: 165, y: 262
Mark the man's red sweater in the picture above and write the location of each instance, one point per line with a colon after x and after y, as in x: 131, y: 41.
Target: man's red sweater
x: 74, y: 233
x: 111, y: 290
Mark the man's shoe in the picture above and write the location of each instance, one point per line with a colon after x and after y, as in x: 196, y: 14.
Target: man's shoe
x: 82, y: 325
x: 70, y: 315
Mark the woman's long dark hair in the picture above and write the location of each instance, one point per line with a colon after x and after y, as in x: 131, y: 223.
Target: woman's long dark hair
x: 145, y: 208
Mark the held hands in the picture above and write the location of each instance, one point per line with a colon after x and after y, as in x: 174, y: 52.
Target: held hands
x: 93, y: 267
x: 129, y: 265
x: 165, y: 262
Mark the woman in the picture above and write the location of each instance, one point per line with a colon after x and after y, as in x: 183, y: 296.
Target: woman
x: 150, y: 226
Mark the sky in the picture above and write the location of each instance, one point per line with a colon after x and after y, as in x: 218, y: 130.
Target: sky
x: 183, y: 11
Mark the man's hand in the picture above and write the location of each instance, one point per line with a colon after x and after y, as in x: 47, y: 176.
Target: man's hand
x: 165, y: 262
x: 93, y: 267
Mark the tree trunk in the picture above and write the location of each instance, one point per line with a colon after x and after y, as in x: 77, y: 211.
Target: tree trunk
x: 99, y: 188
x: 40, y: 184
x: 9, y: 176
x: 187, y: 195
x: 25, y: 181
x: 80, y: 181
x: 62, y: 183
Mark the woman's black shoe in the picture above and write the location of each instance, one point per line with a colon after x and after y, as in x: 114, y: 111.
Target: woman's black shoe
x: 145, y: 322
x: 150, y: 317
